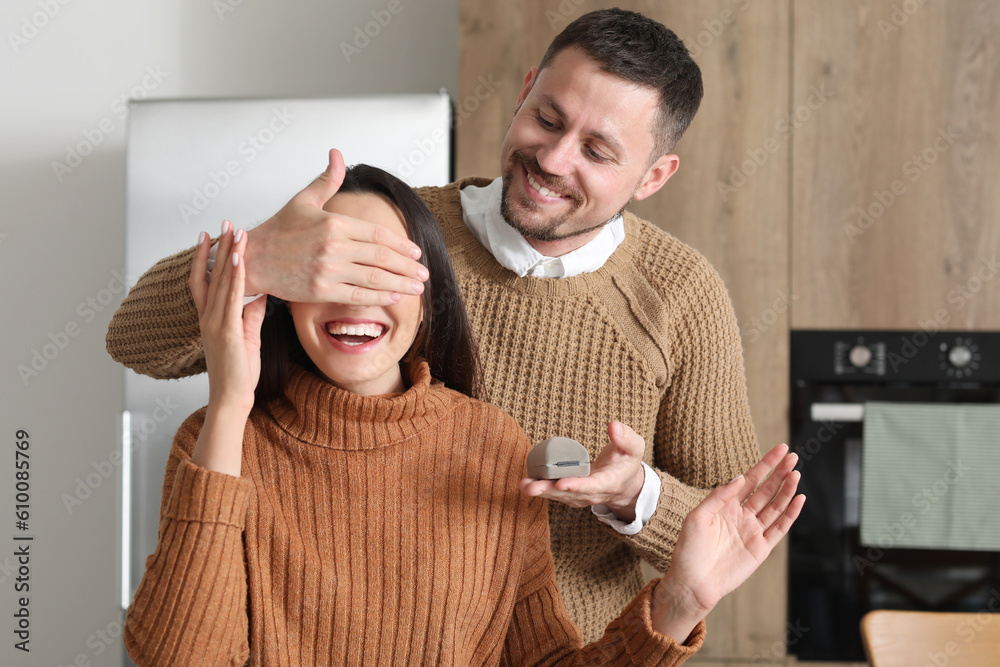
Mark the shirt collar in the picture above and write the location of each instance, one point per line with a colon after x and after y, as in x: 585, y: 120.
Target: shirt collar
x: 481, y: 212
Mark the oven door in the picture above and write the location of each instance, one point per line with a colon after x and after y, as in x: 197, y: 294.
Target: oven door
x: 834, y: 578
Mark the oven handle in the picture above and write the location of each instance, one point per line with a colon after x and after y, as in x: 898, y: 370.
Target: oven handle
x: 837, y: 412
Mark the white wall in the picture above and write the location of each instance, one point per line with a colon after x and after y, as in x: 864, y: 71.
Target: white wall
x: 66, y: 68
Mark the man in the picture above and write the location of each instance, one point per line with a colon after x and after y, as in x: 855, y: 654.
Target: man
x: 592, y: 323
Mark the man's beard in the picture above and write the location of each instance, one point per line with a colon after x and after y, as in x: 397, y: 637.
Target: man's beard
x: 548, y: 232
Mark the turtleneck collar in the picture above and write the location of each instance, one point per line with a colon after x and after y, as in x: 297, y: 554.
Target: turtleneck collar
x: 320, y: 413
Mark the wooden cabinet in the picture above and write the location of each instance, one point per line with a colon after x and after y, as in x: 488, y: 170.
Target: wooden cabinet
x: 818, y: 117
x: 895, y: 199
x: 729, y: 199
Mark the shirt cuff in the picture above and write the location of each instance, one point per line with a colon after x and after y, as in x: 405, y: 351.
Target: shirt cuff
x: 645, y: 506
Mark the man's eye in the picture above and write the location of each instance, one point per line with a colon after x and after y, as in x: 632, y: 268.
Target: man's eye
x: 594, y: 155
x: 545, y: 123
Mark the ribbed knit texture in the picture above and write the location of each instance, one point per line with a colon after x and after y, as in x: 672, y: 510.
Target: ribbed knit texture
x: 366, y: 531
x: 650, y: 339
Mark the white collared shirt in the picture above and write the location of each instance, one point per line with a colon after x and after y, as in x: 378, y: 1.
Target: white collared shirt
x: 481, y: 211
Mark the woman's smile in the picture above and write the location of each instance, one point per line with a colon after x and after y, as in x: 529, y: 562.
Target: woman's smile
x: 355, y: 336
x: 358, y: 348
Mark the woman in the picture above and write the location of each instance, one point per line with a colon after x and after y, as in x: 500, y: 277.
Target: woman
x: 357, y: 505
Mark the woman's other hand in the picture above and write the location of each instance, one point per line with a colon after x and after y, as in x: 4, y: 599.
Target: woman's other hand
x: 725, y: 539
x: 230, y: 332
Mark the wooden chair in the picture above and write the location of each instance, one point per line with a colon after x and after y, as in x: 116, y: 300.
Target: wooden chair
x: 933, y: 639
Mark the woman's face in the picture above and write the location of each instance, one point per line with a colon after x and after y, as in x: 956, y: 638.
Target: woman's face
x: 358, y: 348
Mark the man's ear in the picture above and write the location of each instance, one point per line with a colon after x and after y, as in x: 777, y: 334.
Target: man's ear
x: 529, y: 81
x: 657, y: 174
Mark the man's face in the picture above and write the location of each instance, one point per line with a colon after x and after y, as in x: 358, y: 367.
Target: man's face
x: 577, y: 151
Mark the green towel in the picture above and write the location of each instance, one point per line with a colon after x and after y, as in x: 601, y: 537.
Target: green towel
x: 931, y: 476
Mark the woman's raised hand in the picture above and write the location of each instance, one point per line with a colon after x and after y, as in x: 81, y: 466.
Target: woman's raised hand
x: 230, y: 332
x: 725, y: 539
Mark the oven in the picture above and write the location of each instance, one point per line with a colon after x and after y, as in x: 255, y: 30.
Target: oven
x: 898, y: 434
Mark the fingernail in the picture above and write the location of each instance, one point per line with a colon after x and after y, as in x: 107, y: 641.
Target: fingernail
x: 236, y: 259
x: 415, y: 253
x: 423, y: 273
x: 417, y: 288
x: 733, y: 480
x: 202, y: 236
x: 225, y: 226
x: 394, y: 297
x: 239, y: 235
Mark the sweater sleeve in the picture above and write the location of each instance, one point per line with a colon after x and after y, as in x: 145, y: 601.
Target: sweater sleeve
x: 704, y: 433
x: 540, y: 632
x: 191, y: 605
x: 155, y: 329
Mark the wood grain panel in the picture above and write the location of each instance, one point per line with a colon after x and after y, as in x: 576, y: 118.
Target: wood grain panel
x: 499, y: 42
x: 729, y: 199
x: 896, y: 213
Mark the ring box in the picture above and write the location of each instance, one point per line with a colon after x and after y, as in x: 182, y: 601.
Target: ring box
x: 555, y: 458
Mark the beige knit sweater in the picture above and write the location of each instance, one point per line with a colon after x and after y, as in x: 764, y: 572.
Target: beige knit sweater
x: 649, y: 339
x: 384, y: 530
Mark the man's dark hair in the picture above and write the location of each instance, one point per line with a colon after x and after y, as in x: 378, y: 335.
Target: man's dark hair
x: 638, y: 49
x: 445, y: 337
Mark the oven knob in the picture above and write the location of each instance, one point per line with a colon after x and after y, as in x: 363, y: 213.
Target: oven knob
x: 960, y: 356
x: 860, y: 355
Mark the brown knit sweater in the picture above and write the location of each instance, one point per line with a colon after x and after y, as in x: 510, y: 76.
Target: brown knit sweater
x: 650, y: 339
x: 384, y: 530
